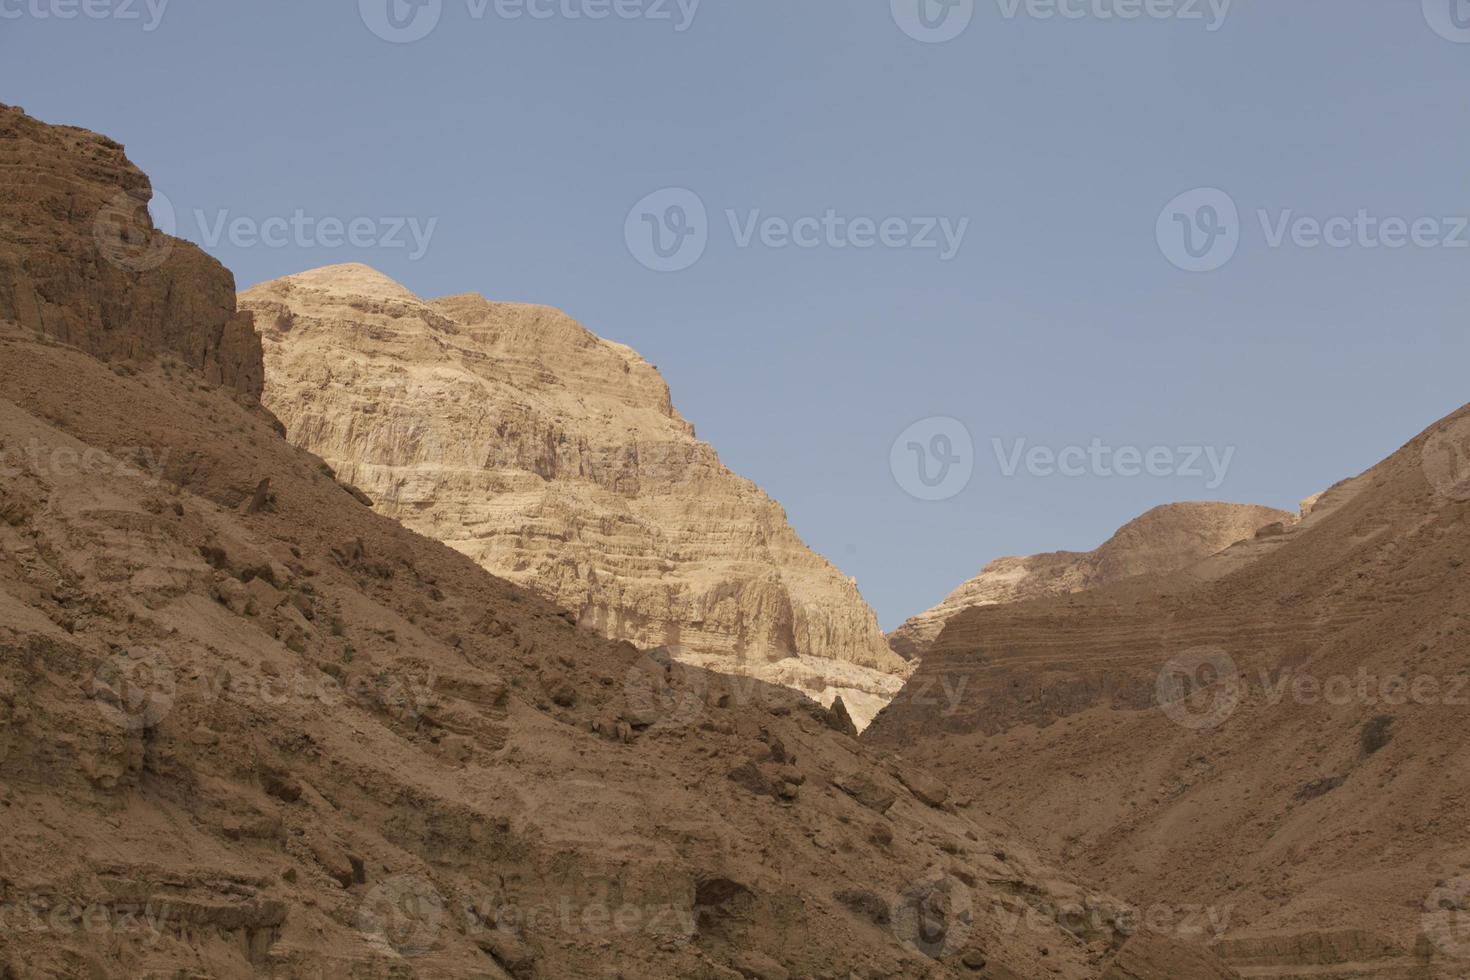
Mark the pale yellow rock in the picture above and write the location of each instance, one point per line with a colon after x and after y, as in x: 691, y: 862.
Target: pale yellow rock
x: 1165, y: 539
x: 556, y: 459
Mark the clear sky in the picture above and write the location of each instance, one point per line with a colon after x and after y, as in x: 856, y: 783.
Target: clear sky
x: 1059, y: 314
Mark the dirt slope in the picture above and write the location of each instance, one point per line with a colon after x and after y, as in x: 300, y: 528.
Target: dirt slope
x: 249, y: 727
x: 1277, y: 734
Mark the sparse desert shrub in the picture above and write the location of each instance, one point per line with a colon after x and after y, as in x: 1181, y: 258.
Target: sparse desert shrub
x: 1319, y: 787
x: 1376, y: 734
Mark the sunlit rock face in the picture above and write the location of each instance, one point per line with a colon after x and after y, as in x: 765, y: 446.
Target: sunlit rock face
x: 556, y: 459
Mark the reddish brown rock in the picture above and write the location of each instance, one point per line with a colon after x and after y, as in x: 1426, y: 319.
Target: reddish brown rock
x: 82, y: 263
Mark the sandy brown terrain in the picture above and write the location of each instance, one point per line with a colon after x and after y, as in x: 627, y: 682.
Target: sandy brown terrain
x: 1277, y: 734
x: 251, y: 727
x: 1165, y: 539
x: 556, y: 459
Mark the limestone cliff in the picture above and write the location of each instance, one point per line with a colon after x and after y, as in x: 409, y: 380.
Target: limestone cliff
x: 1163, y: 540
x: 556, y: 459
x: 95, y: 273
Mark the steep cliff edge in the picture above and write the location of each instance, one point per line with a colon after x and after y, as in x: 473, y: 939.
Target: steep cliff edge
x: 1164, y: 539
x: 556, y: 459
x: 96, y: 273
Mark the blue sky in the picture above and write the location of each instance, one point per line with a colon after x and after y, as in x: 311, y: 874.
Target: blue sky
x: 518, y: 146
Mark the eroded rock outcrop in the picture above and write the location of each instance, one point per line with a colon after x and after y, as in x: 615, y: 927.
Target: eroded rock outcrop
x: 1165, y: 539
x: 556, y: 459
x: 82, y: 263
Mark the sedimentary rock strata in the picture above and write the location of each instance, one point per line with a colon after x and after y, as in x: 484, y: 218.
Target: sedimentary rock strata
x: 557, y: 460
x: 96, y: 273
x: 1165, y: 539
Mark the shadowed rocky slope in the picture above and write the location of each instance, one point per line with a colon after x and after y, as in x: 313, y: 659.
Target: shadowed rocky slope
x: 95, y: 273
x: 1166, y: 538
x: 1277, y: 733
x: 556, y: 459
x: 249, y: 727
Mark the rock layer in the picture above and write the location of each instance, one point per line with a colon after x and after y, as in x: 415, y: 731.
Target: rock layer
x: 556, y: 459
x: 1164, y: 539
x: 96, y: 273
x: 1270, y: 736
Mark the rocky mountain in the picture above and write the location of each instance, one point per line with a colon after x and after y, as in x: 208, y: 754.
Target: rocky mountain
x: 96, y: 274
x: 556, y: 459
x: 249, y: 727
x: 1165, y: 539
x: 1272, y: 737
